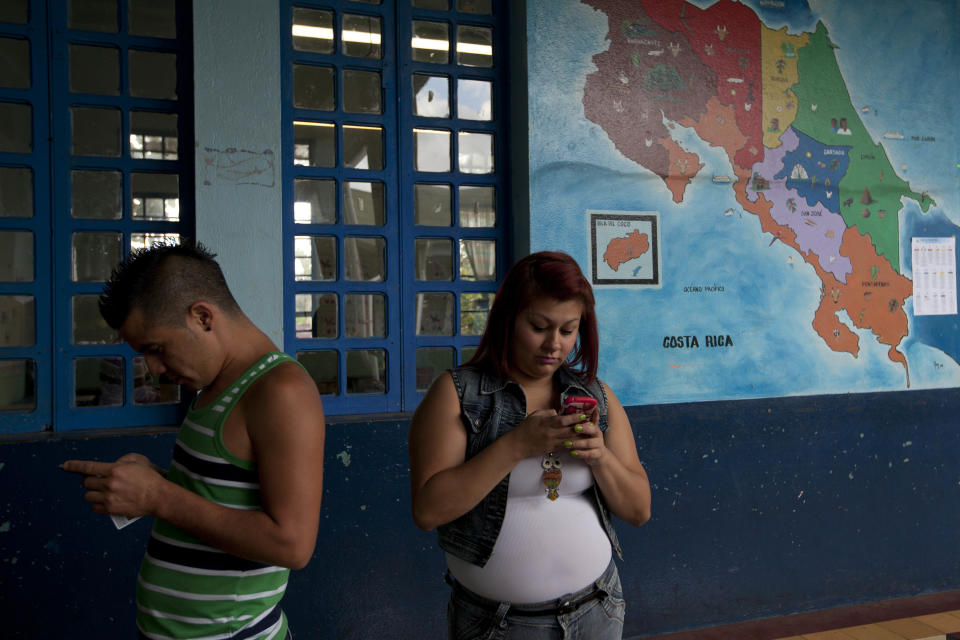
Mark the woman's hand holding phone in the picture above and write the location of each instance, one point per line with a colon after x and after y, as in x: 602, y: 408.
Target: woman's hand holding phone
x: 587, y: 441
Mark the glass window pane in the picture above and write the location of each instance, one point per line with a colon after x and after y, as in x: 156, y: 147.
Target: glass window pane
x: 314, y: 201
x: 152, y: 18
x: 16, y: 127
x: 474, y: 99
x: 93, y: 15
x: 361, y: 91
x: 434, y: 314
x: 431, y: 150
x: 478, y: 206
x: 15, y: 11
x: 431, y: 362
x: 16, y: 256
x: 150, y: 390
x: 361, y: 36
x: 89, y: 327
x: 430, y: 42
x: 144, y: 240
x: 480, y: 7
x: 439, y: 5
x: 431, y: 205
x: 431, y: 96
x: 474, y: 309
x: 363, y: 203
x: 312, y: 30
x: 476, y: 152
x: 96, y: 132
x: 434, y: 258
x: 467, y: 353
x: 17, y: 321
x: 313, y: 87
x: 362, y: 147
x: 18, y: 381
x: 155, y: 196
x: 96, y: 194
x: 94, y: 255
x: 16, y: 192
x: 364, y: 315
x: 94, y: 70
x: 98, y: 382
x: 474, y: 46
x: 367, y: 371
x: 316, y: 315
x: 314, y: 144
x: 364, y: 259
x: 14, y: 63
x: 322, y: 367
x: 153, y: 74
x: 478, y: 259
x: 315, y: 258
x: 153, y: 136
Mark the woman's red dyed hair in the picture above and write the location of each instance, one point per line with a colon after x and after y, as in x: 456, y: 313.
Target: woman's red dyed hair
x: 545, y: 274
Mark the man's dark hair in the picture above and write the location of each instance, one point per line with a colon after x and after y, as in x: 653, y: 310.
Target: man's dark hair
x: 163, y: 281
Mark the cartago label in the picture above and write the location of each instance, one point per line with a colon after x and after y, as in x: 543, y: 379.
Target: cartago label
x: 693, y: 342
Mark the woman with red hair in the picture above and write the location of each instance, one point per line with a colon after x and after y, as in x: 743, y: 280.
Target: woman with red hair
x: 521, y: 492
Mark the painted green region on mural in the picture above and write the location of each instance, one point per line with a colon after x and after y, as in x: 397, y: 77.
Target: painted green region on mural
x: 871, y: 190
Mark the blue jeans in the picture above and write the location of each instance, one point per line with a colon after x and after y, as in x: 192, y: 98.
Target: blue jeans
x: 599, y: 617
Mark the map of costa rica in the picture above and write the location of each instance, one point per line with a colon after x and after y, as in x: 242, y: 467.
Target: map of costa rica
x: 803, y: 162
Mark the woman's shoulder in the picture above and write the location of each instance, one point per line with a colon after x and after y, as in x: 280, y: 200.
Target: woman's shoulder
x: 463, y: 374
x: 467, y: 375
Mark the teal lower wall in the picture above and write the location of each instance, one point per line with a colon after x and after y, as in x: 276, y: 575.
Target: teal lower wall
x: 761, y: 508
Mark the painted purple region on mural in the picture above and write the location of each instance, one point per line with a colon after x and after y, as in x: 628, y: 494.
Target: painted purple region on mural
x: 818, y: 228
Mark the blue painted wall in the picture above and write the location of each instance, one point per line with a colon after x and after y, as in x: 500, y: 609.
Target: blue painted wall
x: 761, y: 508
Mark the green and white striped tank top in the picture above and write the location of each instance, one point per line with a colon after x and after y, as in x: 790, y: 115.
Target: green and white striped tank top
x: 186, y: 588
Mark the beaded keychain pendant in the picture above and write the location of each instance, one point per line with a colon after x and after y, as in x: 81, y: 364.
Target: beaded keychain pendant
x: 552, y: 475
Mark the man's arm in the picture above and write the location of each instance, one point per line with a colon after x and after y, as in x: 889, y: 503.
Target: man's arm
x: 284, y: 419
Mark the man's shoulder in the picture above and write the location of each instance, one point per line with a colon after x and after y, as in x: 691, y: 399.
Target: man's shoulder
x: 285, y: 377
x: 286, y: 386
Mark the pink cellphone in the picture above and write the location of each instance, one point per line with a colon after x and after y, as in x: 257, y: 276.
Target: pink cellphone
x: 578, y: 404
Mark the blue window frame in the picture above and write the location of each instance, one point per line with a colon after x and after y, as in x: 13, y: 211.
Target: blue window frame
x: 25, y: 352
x: 394, y: 191
x: 110, y: 96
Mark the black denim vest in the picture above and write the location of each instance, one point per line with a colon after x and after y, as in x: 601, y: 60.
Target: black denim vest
x: 491, y: 407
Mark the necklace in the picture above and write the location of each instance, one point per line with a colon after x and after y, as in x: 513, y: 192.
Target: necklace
x: 552, y: 475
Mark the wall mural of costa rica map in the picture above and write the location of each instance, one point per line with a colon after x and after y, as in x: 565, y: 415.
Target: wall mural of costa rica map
x: 788, y: 151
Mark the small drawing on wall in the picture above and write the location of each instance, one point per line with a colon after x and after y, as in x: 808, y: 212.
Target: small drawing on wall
x: 238, y: 166
x: 625, y: 248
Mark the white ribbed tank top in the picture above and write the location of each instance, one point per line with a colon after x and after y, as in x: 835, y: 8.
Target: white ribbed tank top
x: 546, y: 549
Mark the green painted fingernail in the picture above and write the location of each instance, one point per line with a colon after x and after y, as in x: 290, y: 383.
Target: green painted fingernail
x: 578, y: 428
x: 583, y: 416
x: 574, y: 453
x: 567, y: 443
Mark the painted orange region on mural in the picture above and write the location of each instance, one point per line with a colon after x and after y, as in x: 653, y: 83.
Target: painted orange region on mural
x: 718, y: 126
x: 872, y: 296
x: 621, y: 250
x: 683, y: 166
